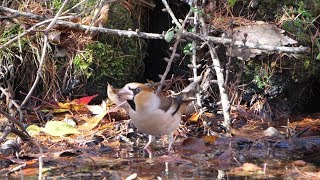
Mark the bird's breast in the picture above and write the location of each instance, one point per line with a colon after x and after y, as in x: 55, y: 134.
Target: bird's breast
x: 157, y: 122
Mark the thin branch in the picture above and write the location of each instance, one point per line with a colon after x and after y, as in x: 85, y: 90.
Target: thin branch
x: 175, y: 46
x: 223, y: 94
x: 43, y: 54
x: 95, y: 16
x: 33, y: 28
x: 8, y: 96
x: 184, y: 34
x: 194, y: 55
x: 225, y: 41
x: 176, y: 22
x: 16, y: 122
x: 19, y: 13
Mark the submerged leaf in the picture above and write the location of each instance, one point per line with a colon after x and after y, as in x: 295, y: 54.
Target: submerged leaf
x: 59, y: 128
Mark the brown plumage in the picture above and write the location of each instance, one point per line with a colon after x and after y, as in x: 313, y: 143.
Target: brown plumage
x: 153, y: 114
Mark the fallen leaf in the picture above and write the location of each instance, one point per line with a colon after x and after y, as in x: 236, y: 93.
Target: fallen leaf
x: 59, y: 128
x: 195, y: 117
x: 84, y: 100
x: 132, y: 176
x: 97, y: 109
x: 249, y: 167
x: 91, y: 122
x: 193, y: 145
x: 210, y: 139
x: 33, y: 130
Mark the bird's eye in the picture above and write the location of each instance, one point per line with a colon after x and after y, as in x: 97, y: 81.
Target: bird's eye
x: 137, y: 90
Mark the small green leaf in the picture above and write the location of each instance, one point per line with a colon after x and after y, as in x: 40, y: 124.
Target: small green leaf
x: 318, y: 57
x: 59, y: 128
x: 33, y: 130
x: 187, y: 49
x: 169, y: 35
x: 232, y: 2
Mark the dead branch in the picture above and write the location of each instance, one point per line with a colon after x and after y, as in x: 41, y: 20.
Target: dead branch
x: 33, y: 28
x: 223, y: 94
x: 210, y: 39
x: 19, y: 13
x: 226, y: 41
x: 194, y: 56
x: 21, y: 133
x: 201, y: 37
x: 176, y: 22
x: 174, y: 49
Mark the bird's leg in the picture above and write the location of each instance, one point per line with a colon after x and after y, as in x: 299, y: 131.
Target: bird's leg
x: 149, y: 142
x: 170, y: 139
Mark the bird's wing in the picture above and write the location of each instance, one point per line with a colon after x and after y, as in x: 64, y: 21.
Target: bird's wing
x: 166, y: 103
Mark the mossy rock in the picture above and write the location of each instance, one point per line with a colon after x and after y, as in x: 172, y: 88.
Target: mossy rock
x: 113, y: 59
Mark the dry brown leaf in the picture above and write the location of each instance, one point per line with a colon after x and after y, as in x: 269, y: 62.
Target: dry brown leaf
x: 195, y: 117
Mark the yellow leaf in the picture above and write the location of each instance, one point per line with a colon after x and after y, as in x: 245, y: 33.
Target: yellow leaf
x: 195, y: 117
x: 66, y: 105
x: 60, y: 110
x: 92, y: 122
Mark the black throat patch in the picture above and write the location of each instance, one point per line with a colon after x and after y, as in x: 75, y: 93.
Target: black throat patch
x: 132, y: 104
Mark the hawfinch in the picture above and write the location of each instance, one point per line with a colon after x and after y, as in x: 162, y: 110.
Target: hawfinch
x: 153, y: 114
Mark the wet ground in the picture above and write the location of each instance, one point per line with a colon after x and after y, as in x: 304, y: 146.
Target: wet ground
x: 192, y: 159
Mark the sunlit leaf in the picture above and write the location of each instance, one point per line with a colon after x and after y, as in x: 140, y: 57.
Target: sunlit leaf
x: 249, y: 167
x: 132, y: 176
x: 60, y: 110
x: 169, y: 35
x: 33, y: 130
x: 97, y: 109
x: 84, y: 100
x: 59, y: 128
x: 67, y: 105
x: 92, y: 122
x: 195, y: 117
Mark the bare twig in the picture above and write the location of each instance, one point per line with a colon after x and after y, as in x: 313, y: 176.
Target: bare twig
x: 4, y: 91
x: 16, y: 122
x: 176, y: 22
x: 33, y: 28
x: 194, y: 55
x: 184, y: 34
x: 163, y: 77
x: 78, y: 4
x: 19, y: 13
x: 225, y: 41
x: 43, y: 54
x: 5, y: 132
x: 95, y: 16
x: 223, y: 94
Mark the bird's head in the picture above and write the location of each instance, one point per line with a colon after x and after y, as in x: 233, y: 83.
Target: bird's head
x: 130, y: 90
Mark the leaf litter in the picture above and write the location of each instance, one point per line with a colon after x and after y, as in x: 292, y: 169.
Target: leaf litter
x: 98, y: 141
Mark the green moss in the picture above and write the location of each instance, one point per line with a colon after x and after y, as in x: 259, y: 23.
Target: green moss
x: 113, y: 59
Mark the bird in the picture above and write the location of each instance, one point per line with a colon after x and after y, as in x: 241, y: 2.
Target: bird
x: 151, y: 113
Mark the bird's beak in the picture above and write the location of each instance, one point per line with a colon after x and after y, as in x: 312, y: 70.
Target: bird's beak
x: 125, y: 94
